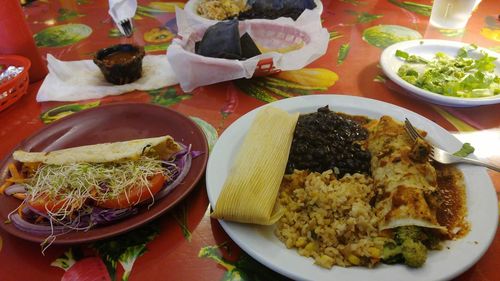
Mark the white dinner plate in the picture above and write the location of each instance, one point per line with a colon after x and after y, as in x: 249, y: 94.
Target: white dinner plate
x: 260, y: 242
x: 427, y: 48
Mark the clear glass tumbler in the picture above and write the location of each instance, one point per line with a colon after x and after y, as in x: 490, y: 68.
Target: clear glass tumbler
x: 452, y: 14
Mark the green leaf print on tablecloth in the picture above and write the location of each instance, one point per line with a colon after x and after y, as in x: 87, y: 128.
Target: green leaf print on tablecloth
x: 343, y: 52
x: 382, y: 36
x: 452, y: 32
x: 167, y: 96
x: 156, y: 47
x: 66, y: 261
x: 62, y: 35
x: 461, y: 125
x: 418, y: 8
x: 78, y: 267
x: 126, y: 248
x: 243, y: 269
x: 380, y: 79
x: 59, y: 112
x: 66, y: 14
x: 364, y: 17
x: 335, y: 35
x: 209, y: 131
x: 180, y: 215
x: 154, y: 9
x: 115, y: 33
x: 288, y: 84
x: 354, y: 2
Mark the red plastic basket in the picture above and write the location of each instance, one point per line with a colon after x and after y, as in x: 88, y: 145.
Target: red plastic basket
x: 14, y: 89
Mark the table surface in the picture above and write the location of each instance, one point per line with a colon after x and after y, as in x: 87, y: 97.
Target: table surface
x: 184, y: 243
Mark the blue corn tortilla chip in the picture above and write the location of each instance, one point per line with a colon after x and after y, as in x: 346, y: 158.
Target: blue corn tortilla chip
x: 221, y: 40
x: 248, y: 47
x: 282, y: 4
x: 276, y: 8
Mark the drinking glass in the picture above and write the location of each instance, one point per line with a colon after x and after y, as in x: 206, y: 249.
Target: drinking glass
x: 452, y: 14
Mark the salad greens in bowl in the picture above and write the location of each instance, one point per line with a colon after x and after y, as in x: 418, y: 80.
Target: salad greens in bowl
x: 444, y: 72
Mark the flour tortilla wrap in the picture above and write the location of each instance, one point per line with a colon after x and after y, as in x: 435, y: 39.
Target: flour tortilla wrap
x: 404, y: 177
x: 165, y: 146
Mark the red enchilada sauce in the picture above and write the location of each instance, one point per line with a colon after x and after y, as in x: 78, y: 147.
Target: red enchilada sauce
x: 451, y: 208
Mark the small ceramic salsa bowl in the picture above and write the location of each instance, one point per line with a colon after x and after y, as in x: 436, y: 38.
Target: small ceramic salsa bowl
x: 120, y: 64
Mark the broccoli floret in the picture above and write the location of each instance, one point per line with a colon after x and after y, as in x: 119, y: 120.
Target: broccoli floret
x: 411, y: 253
x: 414, y: 253
x: 410, y: 232
x: 391, y: 253
x: 428, y: 237
x: 408, y: 247
x: 433, y: 241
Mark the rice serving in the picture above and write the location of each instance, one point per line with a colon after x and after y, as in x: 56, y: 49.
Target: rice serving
x: 220, y: 9
x: 329, y: 219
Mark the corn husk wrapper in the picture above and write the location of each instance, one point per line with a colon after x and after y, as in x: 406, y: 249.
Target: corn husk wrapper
x: 250, y: 191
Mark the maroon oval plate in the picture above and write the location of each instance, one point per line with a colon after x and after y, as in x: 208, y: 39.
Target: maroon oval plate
x: 111, y: 123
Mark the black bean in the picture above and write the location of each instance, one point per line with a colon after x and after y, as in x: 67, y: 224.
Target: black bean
x: 324, y: 140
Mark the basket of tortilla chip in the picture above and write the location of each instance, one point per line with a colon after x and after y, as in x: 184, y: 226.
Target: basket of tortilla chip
x: 217, y: 10
x: 207, y: 54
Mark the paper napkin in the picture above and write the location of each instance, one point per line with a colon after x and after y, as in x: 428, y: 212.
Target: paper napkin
x: 81, y: 80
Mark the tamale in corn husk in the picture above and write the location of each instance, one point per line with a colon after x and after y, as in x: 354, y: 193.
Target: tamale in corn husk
x: 250, y: 191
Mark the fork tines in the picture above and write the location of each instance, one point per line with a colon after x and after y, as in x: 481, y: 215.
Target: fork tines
x: 411, y: 130
x: 414, y: 135
x: 127, y: 27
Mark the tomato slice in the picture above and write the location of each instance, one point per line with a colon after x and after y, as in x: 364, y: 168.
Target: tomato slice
x: 136, y: 194
x: 43, y: 204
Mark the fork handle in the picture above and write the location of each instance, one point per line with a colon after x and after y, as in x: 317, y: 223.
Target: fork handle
x: 477, y: 162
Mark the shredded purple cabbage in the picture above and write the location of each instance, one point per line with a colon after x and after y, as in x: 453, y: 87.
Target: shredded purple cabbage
x: 105, y: 216
x: 15, y: 188
x: 39, y: 229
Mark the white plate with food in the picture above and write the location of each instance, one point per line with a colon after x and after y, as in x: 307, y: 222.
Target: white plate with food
x: 261, y: 243
x: 457, y: 94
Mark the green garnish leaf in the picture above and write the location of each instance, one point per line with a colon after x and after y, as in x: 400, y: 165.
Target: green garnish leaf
x: 410, y: 58
x: 402, y: 54
x: 465, y: 150
x: 464, y: 51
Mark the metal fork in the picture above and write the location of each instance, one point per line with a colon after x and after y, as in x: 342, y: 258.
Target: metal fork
x: 442, y: 156
x: 127, y: 27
